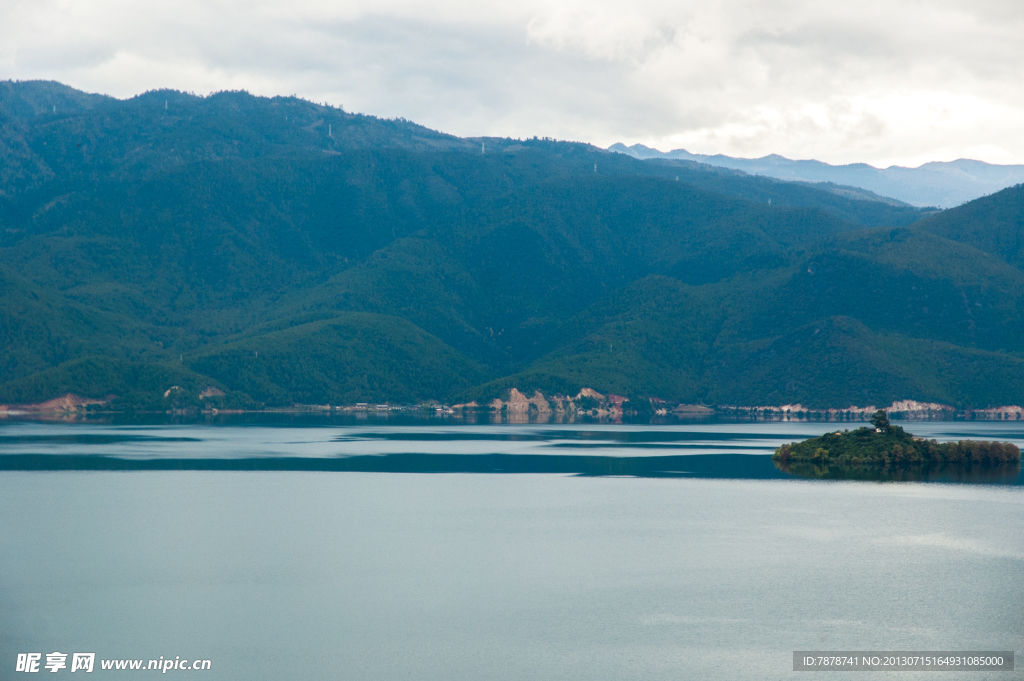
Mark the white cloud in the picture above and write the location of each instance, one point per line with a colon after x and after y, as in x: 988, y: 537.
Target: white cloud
x: 877, y: 81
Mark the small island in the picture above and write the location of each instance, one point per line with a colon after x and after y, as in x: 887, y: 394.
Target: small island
x: 888, y: 447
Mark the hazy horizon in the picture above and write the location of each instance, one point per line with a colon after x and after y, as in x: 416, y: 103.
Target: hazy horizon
x: 773, y: 154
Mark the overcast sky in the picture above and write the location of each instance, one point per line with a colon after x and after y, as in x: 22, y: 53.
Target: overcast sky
x: 880, y: 81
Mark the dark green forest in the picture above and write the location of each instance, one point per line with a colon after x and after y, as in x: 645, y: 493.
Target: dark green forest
x: 285, y: 252
x: 885, y: 444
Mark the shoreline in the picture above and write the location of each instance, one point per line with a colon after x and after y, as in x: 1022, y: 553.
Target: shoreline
x: 477, y: 417
x: 515, y: 407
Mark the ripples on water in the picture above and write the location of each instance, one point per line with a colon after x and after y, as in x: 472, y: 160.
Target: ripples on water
x: 716, y: 450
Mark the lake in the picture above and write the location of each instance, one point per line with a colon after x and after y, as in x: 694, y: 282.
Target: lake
x: 684, y: 571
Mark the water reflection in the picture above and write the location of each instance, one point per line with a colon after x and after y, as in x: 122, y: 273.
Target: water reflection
x: 1008, y: 474
x: 725, y: 466
x: 739, y: 466
x: 700, y: 450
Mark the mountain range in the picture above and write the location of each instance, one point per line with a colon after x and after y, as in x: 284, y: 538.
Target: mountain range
x: 237, y: 251
x: 942, y: 183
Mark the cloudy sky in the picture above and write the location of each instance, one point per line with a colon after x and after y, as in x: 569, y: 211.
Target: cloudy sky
x: 881, y: 81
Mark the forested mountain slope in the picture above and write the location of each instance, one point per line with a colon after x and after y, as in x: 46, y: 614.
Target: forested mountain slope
x: 994, y: 224
x: 281, y: 251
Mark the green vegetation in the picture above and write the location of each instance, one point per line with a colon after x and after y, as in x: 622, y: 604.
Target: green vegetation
x: 346, y: 359
x: 890, y: 446
x: 285, y: 252
x: 994, y: 224
x: 129, y: 385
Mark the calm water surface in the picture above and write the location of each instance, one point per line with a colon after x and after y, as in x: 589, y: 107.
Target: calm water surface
x: 354, y: 575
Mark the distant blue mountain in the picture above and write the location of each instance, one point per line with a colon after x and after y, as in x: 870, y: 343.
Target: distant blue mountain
x: 940, y: 184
